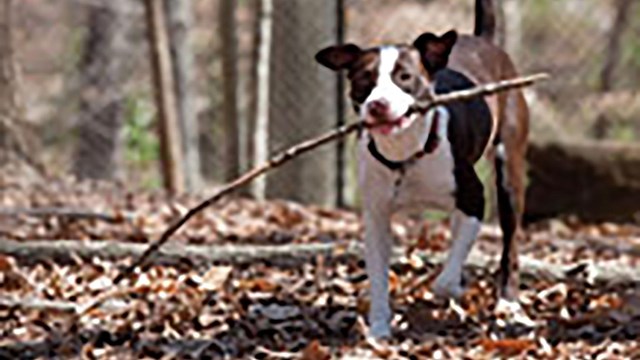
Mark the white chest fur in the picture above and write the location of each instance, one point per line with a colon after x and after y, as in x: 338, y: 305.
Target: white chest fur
x: 428, y: 183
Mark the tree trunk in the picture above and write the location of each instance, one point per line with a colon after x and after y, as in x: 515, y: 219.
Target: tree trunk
x: 341, y: 101
x: 596, y: 181
x: 302, y: 101
x: 231, y: 121
x: 512, y: 13
x: 170, y: 148
x: 612, y: 54
x: 180, y: 22
x: 9, y: 103
x: 103, y: 70
x: 261, y: 91
x: 501, y: 25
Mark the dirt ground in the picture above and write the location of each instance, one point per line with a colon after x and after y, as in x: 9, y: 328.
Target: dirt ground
x: 221, y: 289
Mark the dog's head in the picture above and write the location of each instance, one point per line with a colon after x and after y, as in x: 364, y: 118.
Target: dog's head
x: 387, y: 80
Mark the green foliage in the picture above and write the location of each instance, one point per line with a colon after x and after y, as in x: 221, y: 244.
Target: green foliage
x: 536, y: 20
x: 630, y: 62
x: 75, y: 50
x: 435, y: 215
x: 484, y: 169
x: 142, y: 146
x: 623, y: 132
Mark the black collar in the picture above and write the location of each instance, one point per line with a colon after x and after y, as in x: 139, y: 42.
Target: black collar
x: 429, y: 147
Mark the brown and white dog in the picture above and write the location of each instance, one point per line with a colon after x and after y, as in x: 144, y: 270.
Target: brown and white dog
x: 426, y: 160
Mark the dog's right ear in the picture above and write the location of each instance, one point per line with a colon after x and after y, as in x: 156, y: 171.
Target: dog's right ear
x: 339, y: 57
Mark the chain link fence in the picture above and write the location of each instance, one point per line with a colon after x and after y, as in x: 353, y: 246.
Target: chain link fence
x: 86, y: 82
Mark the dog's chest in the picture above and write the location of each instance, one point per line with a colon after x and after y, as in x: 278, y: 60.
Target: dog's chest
x: 430, y: 183
x: 427, y: 183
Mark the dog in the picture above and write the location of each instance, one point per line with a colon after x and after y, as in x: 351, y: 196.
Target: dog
x: 423, y: 160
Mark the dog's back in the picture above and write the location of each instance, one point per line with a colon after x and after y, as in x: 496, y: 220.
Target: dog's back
x: 470, y: 121
x: 477, y: 57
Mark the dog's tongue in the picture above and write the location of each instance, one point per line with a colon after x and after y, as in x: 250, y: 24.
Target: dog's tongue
x: 386, y: 129
x: 389, y: 125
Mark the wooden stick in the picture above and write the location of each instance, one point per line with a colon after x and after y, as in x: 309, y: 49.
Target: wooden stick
x: 482, y: 90
x: 244, y: 179
x: 610, y: 272
x: 69, y: 250
x: 68, y: 213
x: 30, y: 303
x: 299, y: 149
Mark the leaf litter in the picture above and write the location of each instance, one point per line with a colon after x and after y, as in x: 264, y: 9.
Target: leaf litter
x: 305, y: 310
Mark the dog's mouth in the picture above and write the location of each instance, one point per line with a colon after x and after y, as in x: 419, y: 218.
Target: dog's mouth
x: 388, y: 126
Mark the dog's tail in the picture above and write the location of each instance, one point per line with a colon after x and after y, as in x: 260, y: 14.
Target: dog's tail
x: 485, y: 25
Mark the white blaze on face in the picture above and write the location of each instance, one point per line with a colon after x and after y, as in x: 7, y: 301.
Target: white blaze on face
x: 399, y: 101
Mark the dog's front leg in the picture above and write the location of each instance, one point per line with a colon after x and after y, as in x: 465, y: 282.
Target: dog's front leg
x: 465, y: 225
x: 377, y: 238
x: 464, y: 232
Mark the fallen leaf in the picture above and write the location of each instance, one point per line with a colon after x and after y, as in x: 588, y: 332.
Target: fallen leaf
x: 214, y: 278
x: 508, y: 347
x: 380, y: 348
x: 315, y: 351
x: 6, y: 264
x: 260, y: 284
x: 394, y: 282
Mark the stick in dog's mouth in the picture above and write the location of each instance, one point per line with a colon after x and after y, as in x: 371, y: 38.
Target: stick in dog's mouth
x: 386, y: 126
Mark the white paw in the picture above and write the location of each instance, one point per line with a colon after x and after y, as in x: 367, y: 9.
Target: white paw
x: 448, y: 287
x: 380, y: 330
x: 512, y: 312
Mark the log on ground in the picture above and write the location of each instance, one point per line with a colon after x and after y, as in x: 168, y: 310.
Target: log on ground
x: 596, y: 181
x: 296, y: 254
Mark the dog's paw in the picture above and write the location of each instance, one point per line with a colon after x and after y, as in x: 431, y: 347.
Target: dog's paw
x: 511, y: 312
x: 448, y: 287
x: 379, y: 330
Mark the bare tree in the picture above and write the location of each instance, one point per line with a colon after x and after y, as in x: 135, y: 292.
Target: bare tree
x: 301, y: 101
x: 501, y: 26
x: 180, y: 22
x: 612, y: 54
x: 170, y: 148
x: 231, y: 112
x: 261, y: 90
x: 511, y: 25
x: 103, y: 70
x: 12, y: 140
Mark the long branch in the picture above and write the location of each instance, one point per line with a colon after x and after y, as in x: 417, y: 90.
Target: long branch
x: 482, y: 90
x: 244, y: 179
x: 308, y: 145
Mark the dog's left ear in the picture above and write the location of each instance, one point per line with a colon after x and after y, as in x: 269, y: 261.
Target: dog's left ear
x: 435, y: 50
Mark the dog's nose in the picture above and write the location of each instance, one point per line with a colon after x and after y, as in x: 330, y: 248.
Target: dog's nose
x: 378, y: 108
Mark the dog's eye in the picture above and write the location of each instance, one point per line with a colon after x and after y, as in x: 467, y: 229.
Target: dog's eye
x: 405, y: 76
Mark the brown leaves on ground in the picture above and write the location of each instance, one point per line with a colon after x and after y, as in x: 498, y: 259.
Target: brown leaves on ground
x: 215, y: 277
x: 303, y: 310
x: 315, y: 351
x: 507, y: 347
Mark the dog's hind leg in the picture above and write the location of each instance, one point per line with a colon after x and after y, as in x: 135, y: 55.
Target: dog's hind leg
x: 509, y: 160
